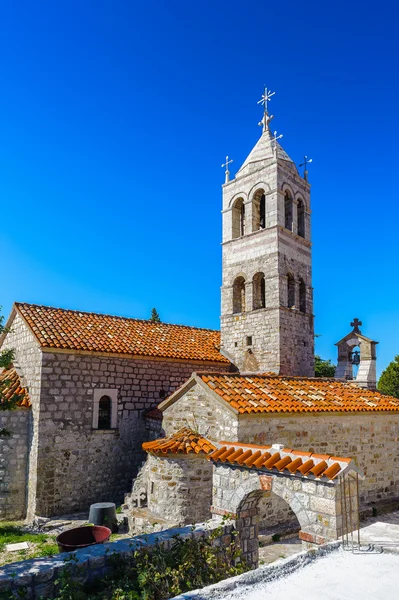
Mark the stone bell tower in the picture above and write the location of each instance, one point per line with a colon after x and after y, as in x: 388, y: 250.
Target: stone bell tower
x: 365, y: 358
x: 267, y: 296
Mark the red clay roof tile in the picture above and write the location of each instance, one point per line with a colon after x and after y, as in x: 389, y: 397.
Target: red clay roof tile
x: 184, y: 441
x: 82, y: 331
x: 291, y: 461
x: 278, y: 394
x: 13, y: 387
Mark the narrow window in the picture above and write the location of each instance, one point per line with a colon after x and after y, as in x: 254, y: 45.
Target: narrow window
x: 259, y: 211
x: 239, y: 295
x: 258, y: 291
x: 302, y: 296
x: 288, y: 211
x: 238, y: 218
x: 249, y: 340
x: 301, y: 218
x: 262, y: 212
x: 291, y: 291
x: 104, y: 413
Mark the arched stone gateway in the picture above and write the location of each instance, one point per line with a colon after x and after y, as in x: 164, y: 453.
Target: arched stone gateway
x: 317, y: 488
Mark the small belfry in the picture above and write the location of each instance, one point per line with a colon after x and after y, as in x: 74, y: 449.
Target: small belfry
x: 267, y: 296
x: 357, y: 358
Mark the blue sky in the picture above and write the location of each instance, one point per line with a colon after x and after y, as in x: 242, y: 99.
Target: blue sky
x: 116, y: 116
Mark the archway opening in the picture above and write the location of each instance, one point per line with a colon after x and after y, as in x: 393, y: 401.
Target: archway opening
x: 301, y: 218
x: 259, y: 210
x: 354, y: 360
x: 288, y: 211
x: 238, y: 218
x: 267, y: 526
x: 258, y: 291
x: 239, y: 295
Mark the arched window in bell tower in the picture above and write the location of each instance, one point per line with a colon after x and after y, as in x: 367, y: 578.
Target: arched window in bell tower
x: 301, y: 218
x: 239, y: 295
x: 258, y: 291
x: 259, y: 211
x: 302, y: 296
x: 288, y: 212
x: 238, y: 218
x: 290, y: 291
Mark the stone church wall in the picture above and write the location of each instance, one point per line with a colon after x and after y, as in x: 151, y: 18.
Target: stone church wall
x: 180, y: 487
x: 14, y: 463
x: 28, y: 362
x: 201, y: 413
x: 79, y: 465
x: 371, y: 439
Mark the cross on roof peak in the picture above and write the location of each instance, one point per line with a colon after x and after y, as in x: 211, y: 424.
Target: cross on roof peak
x: 356, y: 324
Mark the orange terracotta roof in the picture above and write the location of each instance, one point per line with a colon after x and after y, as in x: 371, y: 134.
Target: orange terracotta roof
x: 82, y: 331
x: 279, y: 394
x: 184, y: 441
x: 13, y: 387
x: 276, y: 459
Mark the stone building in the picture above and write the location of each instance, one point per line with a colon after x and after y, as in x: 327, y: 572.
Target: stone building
x: 94, y: 381
x: 267, y: 295
x: 310, y: 414
x: 90, y: 379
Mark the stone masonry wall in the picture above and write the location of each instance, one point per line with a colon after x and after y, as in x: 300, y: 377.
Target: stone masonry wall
x: 79, y: 465
x: 370, y: 439
x: 196, y: 409
x: 180, y: 487
x: 28, y: 363
x: 36, y: 579
x: 14, y: 463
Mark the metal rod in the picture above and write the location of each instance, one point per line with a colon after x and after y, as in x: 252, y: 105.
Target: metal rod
x: 342, y: 509
x: 350, y: 511
x: 346, y: 514
x: 358, y: 509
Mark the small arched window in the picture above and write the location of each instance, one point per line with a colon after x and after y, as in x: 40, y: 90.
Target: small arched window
x: 238, y: 218
x: 302, y: 296
x: 259, y: 211
x: 104, y: 413
x: 288, y: 211
x: 290, y: 291
x: 258, y: 291
x: 301, y: 218
x: 239, y: 295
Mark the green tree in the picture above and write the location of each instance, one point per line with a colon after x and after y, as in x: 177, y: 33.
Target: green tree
x: 155, y: 318
x: 6, y: 358
x: 323, y: 368
x: 389, y: 380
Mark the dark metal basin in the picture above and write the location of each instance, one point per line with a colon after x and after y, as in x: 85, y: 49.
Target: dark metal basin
x: 81, y: 537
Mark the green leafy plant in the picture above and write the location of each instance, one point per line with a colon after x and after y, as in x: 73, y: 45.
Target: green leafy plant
x: 389, y: 380
x: 159, y: 572
x: 323, y: 368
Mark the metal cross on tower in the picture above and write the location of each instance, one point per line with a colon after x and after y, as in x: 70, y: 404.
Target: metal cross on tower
x: 274, y: 141
x: 227, y: 172
x: 356, y: 324
x: 266, y: 96
x: 306, y: 162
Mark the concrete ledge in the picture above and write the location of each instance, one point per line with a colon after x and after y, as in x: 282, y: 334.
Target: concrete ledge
x: 264, y: 574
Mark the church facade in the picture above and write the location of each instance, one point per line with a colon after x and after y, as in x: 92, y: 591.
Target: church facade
x: 98, y: 387
x: 89, y: 381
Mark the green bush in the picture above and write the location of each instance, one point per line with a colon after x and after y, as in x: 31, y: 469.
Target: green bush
x: 160, y: 572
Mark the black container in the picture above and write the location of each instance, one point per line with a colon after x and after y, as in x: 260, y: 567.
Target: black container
x: 104, y: 513
x: 82, y: 537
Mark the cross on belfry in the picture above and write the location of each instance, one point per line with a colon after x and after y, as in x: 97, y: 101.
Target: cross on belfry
x: 356, y: 324
x: 306, y: 162
x: 227, y: 172
x: 266, y: 96
x: 274, y: 141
